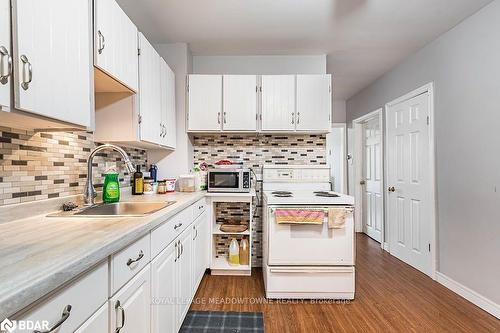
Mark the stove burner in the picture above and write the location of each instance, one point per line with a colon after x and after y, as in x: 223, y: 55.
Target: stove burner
x: 326, y: 194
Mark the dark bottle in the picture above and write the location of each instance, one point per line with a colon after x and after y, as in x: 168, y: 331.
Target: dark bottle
x: 138, y: 183
x: 153, y: 172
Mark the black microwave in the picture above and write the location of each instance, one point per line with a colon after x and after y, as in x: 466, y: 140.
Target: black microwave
x: 229, y: 180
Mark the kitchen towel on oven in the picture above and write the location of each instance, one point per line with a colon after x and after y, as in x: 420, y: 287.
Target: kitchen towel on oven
x: 337, y: 217
x: 299, y: 216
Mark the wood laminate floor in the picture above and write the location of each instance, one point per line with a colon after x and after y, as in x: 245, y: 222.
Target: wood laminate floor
x: 391, y: 296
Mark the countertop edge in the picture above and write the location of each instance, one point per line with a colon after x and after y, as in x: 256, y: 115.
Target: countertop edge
x: 16, y: 302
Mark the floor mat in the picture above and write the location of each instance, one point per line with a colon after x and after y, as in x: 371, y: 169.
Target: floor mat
x: 218, y: 321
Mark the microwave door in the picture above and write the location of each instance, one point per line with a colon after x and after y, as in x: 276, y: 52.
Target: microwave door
x: 225, y: 180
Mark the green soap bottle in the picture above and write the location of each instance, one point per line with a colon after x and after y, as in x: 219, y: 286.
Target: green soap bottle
x: 111, y: 189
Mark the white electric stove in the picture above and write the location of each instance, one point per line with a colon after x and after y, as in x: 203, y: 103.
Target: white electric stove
x: 305, y: 260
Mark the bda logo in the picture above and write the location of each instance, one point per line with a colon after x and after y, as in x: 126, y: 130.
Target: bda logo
x: 7, y: 325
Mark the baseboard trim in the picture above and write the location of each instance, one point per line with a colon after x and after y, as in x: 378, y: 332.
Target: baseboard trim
x: 386, y: 246
x: 469, y: 294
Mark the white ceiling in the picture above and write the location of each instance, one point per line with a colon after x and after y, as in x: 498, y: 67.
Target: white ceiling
x: 362, y: 38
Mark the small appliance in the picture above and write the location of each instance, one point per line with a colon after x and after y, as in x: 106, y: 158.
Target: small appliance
x: 233, y: 180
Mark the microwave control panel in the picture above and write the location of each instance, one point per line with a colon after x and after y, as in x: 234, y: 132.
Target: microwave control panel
x: 246, y: 179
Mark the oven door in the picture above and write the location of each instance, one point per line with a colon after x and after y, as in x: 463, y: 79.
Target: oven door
x: 224, y: 181
x: 309, y: 245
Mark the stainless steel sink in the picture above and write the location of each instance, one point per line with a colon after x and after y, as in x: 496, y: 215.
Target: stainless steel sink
x: 125, y: 209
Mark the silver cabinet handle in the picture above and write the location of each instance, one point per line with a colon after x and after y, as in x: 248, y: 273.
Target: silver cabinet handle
x: 4, y: 53
x: 182, y: 248
x: 218, y: 117
x: 224, y: 117
x: 26, y: 82
x: 139, y: 257
x: 176, y: 251
x: 293, y: 117
x: 65, y: 315
x: 102, y: 42
x: 196, y: 234
x: 118, y: 306
x: 165, y: 131
x: 177, y: 226
x: 298, y: 117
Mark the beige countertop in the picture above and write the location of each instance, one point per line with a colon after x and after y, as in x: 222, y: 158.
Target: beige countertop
x: 40, y: 253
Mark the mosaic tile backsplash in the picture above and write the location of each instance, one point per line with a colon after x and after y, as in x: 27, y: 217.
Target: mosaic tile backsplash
x: 254, y: 151
x: 37, y: 165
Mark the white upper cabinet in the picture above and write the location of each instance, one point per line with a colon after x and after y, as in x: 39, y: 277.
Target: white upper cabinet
x: 205, y: 102
x: 239, y: 103
x: 314, y: 102
x: 150, y: 93
x: 5, y: 55
x: 53, y: 59
x: 115, y: 43
x: 278, y: 103
x: 168, y: 117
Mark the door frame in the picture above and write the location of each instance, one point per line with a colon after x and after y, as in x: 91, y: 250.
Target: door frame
x: 428, y: 88
x: 358, y: 169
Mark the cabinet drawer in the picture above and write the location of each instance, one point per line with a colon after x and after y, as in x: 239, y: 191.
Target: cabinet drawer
x: 85, y: 295
x: 199, y: 207
x: 168, y: 231
x: 128, y: 262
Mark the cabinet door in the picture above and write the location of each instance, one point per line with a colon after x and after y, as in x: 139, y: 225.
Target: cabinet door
x: 168, y: 118
x: 164, y: 290
x: 185, y: 274
x: 200, y: 248
x: 115, y: 43
x: 97, y: 323
x: 5, y: 55
x: 205, y: 103
x: 239, y: 103
x: 150, y: 92
x: 171, y: 120
x: 314, y: 102
x: 131, y: 306
x: 52, y: 51
x: 278, y: 102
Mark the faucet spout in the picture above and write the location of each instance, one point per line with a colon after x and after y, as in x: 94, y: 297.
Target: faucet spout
x: 90, y: 192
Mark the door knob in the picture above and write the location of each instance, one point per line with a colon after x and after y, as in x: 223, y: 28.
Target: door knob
x: 391, y: 189
x: 362, y: 182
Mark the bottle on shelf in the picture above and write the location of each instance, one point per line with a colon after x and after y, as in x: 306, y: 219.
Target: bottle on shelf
x: 234, y: 252
x: 244, y: 251
x: 138, y: 182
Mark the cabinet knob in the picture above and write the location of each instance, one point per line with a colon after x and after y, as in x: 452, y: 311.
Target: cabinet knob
x: 391, y: 189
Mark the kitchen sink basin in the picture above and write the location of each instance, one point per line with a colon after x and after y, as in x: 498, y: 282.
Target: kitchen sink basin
x: 123, y: 209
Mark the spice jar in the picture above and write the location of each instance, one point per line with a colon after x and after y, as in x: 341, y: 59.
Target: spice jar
x: 148, y: 185
x: 162, y: 186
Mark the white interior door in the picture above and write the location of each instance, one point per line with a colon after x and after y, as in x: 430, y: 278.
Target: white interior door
x: 409, y: 183
x: 278, y: 103
x: 373, y: 202
x: 205, y: 103
x: 5, y: 55
x: 239, y: 103
x: 314, y: 102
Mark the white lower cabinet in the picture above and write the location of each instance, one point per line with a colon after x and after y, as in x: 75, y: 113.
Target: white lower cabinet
x: 131, y: 306
x: 184, y: 273
x: 201, y: 245
x: 97, y: 323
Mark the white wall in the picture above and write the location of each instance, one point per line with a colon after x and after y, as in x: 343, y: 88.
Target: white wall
x: 274, y: 64
x: 464, y: 64
x: 339, y: 111
x: 180, y: 161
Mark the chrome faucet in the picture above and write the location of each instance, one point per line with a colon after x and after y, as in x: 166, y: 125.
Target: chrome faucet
x: 90, y: 192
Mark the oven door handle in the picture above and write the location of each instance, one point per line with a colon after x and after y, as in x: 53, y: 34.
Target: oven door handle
x: 311, y: 271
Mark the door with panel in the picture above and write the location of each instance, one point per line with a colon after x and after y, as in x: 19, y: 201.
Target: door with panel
x: 205, y: 102
x: 97, y: 323
x: 5, y: 55
x: 150, y: 93
x: 373, y: 203
x: 314, y: 102
x: 170, y: 136
x: 200, y: 248
x: 409, y: 212
x: 52, y: 52
x: 278, y: 102
x: 184, y: 274
x: 239, y: 103
x: 115, y: 43
x: 164, y: 290
x: 131, y: 305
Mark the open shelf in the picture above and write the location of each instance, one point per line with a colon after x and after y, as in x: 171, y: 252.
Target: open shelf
x: 216, y: 231
x: 223, y: 264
